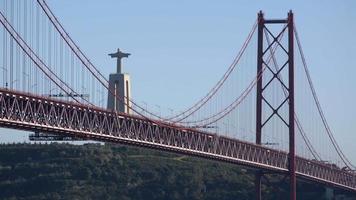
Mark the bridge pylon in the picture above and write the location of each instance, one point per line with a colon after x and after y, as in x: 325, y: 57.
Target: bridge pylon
x: 288, y: 89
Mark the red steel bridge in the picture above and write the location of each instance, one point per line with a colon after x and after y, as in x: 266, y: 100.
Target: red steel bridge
x: 263, y: 113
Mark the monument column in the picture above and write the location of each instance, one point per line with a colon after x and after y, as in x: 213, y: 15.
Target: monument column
x: 120, y: 86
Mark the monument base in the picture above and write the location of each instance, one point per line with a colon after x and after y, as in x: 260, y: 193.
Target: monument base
x: 118, y: 98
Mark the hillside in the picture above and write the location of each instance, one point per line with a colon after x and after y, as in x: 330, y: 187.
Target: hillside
x: 92, y: 171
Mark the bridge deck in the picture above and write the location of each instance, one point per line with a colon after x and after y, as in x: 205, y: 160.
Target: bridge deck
x: 34, y: 113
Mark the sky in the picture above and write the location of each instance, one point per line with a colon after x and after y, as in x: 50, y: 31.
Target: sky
x: 181, y: 48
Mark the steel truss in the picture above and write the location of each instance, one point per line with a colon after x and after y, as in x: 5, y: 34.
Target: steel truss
x: 36, y: 113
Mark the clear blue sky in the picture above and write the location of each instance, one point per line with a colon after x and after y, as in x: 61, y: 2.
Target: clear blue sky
x: 170, y: 42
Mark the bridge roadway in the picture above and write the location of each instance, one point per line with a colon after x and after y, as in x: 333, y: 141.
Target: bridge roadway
x: 35, y: 113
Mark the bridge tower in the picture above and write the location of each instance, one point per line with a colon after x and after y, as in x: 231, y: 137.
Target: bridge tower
x: 262, y: 84
x: 120, y: 86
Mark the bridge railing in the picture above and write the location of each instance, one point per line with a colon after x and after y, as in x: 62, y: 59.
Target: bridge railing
x: 328, y: 172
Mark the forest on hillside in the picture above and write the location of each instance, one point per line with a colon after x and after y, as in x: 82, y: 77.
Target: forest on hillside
x: 97, y: 171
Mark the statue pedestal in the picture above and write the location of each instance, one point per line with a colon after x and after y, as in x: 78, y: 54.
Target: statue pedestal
x: 118, y: 98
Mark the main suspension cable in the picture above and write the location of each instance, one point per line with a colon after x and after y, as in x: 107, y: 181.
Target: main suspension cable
x: 31, y: 54
x: 321, y: 113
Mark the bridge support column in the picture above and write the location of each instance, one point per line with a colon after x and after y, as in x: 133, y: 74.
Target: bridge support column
x: 258, y: 174
x: 263, y: 63
x: 258, y: 184
x: 292, y: 167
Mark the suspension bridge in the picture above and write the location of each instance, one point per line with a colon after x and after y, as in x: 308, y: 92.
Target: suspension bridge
x: 263, y: 113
